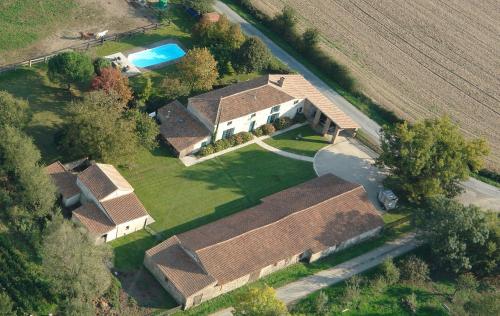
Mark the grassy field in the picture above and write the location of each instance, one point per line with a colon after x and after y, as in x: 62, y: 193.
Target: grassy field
x: 24, y: 22
x: 417, y: 58
x: 181, y: 198
x: 302, y: 141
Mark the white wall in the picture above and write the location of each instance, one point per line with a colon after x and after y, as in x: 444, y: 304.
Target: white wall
x: 242, y: 124
x: 133, y: 226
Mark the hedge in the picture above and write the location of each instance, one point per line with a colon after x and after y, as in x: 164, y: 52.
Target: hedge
x: 221, y: 144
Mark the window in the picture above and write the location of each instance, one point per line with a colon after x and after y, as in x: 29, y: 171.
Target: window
x: 253, y: 115
x: 252, y: 126
x: 228, y: 133
x: 127, y: 228
x: 229, y: 123
x: 275, y: 109
x: 166, y: 280
x: 299, y: 110
x: 204, y: 143
x: 296, y: 101
x: 273, y: 117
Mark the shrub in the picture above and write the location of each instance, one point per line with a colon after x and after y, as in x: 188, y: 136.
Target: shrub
x: 352, y: 294
x: 321, y: 303
x: 277, y: 67
x: 414, y: 269
x: 390, y: 271
x: 101, y: 63
x: 410, y: 303
x: 258, y: 132
x: 378, y: 285
x: 246, y: 136
x: 207, y: 150
x: 283, y: 122
x: 268, y: 129
x: 222, y: 144
x: 70, y: 67
x: 253, y: 55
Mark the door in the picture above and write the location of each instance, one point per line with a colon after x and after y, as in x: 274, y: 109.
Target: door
x: 252, y: 126
x: 271, y: 118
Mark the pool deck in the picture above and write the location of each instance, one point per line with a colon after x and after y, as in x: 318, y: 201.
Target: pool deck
x: 134, y: 70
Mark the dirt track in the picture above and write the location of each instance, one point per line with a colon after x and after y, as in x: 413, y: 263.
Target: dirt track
x: 418, y: 58
x: 90, y: 16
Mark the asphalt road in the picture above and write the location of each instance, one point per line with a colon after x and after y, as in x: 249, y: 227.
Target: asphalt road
x: 477, y: 192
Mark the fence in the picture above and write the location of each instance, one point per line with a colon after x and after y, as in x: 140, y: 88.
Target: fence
x: 85, y: 46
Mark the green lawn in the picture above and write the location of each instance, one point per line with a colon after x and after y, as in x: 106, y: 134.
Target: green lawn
x: 430, y: 297
x: 302, y: 141
x: 181, y: 198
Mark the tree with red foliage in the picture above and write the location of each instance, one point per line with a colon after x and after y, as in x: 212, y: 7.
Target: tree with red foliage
x: 111, y: 80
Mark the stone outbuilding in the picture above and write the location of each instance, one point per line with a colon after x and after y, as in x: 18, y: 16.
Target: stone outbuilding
x: 302, y: 223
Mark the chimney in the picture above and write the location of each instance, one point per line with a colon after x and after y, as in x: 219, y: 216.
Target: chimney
x: 281, y: 81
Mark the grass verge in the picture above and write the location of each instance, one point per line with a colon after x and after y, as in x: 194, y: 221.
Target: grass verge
x: 303, y: 141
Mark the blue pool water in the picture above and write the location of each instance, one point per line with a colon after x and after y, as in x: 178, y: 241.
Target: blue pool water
x: 156, y: 55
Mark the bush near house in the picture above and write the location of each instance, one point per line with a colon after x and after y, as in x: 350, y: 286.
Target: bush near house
x: 221, y: 144
x: 283, y: 122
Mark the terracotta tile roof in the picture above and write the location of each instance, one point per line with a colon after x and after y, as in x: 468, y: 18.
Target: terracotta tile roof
x: 93, y: 219
x: 102, y: 180
x: 299, y: 87
x: 179, y: 127
x: 179, y: 267
x: 64, y: 180
x: 313, y: 216
x: 210, y: 17
x: 258, y: 94
x: 124, y: 208
x: 208, y: 103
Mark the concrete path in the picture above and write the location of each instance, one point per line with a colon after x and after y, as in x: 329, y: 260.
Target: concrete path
x: 282, y: 152
x: 297, y: 290
x: 477, y: 192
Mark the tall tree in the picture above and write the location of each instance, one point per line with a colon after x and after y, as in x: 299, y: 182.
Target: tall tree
x: 13, y: 111
x: 111, y: 80
x: 203, y: 6
x: 70, y: 67
x: 76, y: 268
x: 429, y: 158
x: 259, y: 302
x: 6, y: 305
x: 145, y: 127
x: 96, y: 128
x: 252, y: 56
x: 198, y: 70
x: 26, y: 191
x: 453, y: 231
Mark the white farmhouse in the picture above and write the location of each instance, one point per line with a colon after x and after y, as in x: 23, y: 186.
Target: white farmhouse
x: 244, y: 106
x: 105, y: 202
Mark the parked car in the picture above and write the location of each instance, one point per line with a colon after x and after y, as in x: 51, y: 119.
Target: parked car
x: 388, y: 199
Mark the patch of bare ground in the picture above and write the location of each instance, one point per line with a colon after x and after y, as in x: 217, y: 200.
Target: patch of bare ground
x: 420, y: 58
x: 89, y: 16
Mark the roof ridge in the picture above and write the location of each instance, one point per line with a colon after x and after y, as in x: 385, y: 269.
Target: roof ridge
x: 244, y: 91
x: 284, y: 217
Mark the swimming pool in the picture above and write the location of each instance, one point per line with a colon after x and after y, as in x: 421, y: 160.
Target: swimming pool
x: 156, y: 55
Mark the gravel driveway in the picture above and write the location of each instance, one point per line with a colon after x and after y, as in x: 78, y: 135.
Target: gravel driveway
x: 352, y: 161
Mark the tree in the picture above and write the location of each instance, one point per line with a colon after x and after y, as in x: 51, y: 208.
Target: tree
x: 143, y: 88
x: 173, y: 88
x: 26, y: 191
x: 202, y: 6
x: 97, y: 129
x: 13, y: 111
x: 414, y: 269
x: 259, y: 302
x: 75, y: 267
x: 145, y: 127
x: 101, y: 63
x: 429, y: 158
x: 390, y: 271
x: 486, y: 257
x: 286, y: 21
x: 70, y: 67
x: 112, y: 80
x: 453, y: 232
x: 6, y: 305
x: 198, y: 70
x: 253, y: 55
x: 310, y: 39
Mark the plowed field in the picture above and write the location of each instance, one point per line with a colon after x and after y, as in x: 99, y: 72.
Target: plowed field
x: 419, y: 58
